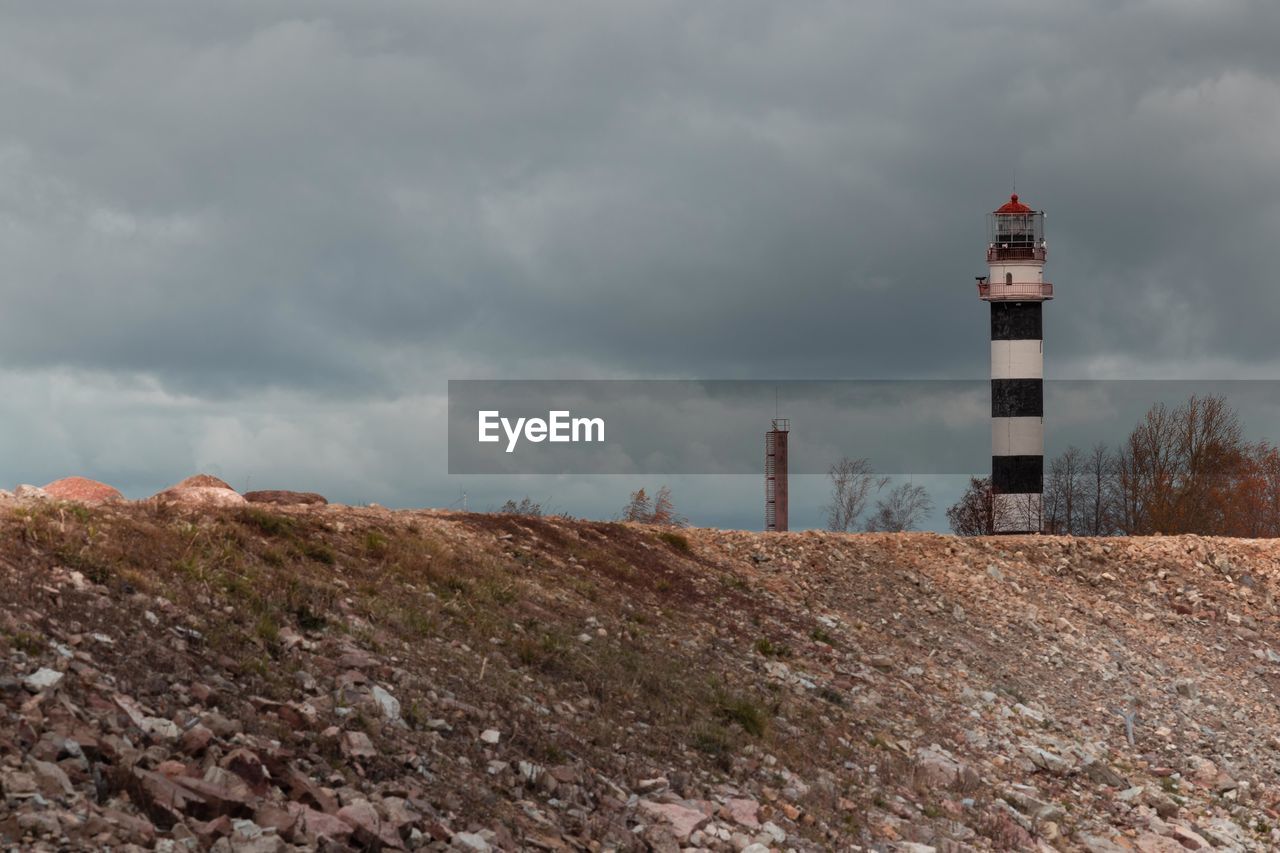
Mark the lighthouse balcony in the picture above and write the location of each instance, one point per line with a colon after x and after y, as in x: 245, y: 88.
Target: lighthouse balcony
x: 1006, y: 252
x: 1016, y: 292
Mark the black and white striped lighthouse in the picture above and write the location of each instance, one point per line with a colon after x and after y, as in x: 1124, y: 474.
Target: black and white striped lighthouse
x: 1017, y: 291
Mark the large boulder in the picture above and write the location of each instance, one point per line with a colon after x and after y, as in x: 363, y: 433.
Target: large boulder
x: 203, y: 481
x: 82, y: 490
x: 202, y: 489
x: 284, y: 497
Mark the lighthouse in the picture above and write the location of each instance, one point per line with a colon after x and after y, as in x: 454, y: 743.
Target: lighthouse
x: 1017, y: 291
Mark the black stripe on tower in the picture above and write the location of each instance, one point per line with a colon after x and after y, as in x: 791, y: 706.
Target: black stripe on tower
x: 1017, y: 398
x: 1016, y: 321
x: 1017, y: 475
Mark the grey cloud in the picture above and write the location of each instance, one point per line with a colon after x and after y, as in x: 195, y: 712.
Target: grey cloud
x: 337, y: 206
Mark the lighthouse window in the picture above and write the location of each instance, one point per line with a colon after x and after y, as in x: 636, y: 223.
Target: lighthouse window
x: 1008, y: 278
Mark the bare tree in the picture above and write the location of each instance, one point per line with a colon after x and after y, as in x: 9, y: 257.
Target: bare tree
x: 639, y: 508
x: 902, y: 509
x: 1098, y: 492
x: 852, y: 484
x: 975, y: 514
x: 1062, y: 492
x: 664, y: 510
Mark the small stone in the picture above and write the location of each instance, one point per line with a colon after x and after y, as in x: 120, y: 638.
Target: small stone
x: 491, y: 736
x: 777, y: 833
x: 1130, y: 794
x: 649, y: 786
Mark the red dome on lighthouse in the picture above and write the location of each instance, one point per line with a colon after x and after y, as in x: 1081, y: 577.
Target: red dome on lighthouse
x: 1013, y: 206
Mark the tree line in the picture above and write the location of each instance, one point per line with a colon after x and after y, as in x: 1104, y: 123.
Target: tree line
x: 1186, y: 469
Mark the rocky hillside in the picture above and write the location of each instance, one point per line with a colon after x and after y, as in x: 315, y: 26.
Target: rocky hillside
x: 266, y: 677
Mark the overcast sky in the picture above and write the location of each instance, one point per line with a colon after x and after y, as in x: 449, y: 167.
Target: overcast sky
x: 256, y: 238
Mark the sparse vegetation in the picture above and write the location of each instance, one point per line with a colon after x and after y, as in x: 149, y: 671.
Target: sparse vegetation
x: 676, y: 540
x: 526, y: 506
x: 769, y: 649
x: 742, y: 710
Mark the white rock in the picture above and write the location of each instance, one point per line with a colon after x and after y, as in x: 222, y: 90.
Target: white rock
x: 469, y: 841
x: 161, y: 728
x: 387, y: 704
x: 491, y: 736
x: 42, y: 679
x: 777, y: 833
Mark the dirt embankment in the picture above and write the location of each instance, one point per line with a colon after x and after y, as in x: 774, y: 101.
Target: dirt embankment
x: 262, y: 677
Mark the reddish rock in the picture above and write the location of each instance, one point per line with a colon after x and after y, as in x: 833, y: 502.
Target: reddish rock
x: 51, y: 779
x: 195, y: 740
x: 682, y: 820
x: 220, y: 796
x: 369, y: 829
x: 300, y: 716
x: 357, y: 745
x: 1149, y: 842
x: 82, y: 490
x: 126, y: 827
x: 313, y: 828
x: 303, y: 790
x: 284, y: 497
x: 271, y: 816
x: 248, y: 766
x: 210, y: 831
x: 741, y: 811
x: 173, y: 769
x: 200, y: 489
x: 202, y: 481
x: 165, y: 801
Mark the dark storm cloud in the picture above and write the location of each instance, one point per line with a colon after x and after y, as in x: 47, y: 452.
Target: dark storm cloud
x: 344, y: 204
